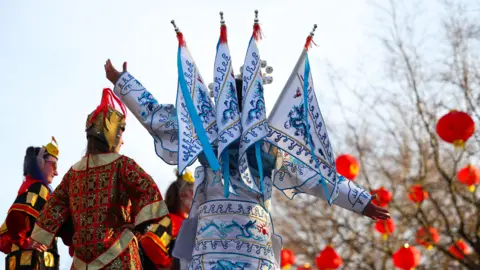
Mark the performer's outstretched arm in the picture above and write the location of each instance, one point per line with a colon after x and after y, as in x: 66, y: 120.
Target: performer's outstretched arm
x: 292, y: 177
x: 351, y: 197
x: 159, y: 119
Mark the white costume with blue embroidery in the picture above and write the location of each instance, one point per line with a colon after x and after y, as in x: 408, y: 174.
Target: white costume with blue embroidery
x: 226, y: 233
x: 229, y: 225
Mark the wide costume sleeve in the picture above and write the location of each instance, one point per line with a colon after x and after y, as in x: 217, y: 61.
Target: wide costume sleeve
x: 24, y: 211
x: 157, y: 244
x: 54, y: 215
x: 292, y: 177
x: 159, y: 119
x: 147, y: 202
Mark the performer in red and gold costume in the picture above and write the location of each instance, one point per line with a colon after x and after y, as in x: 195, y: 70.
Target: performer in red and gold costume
x: 158, y: 243
x: 108, y: 196
x: 39, y: 169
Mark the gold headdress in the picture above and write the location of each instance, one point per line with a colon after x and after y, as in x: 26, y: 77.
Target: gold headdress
x: 105, y: 122
x: 52, y: 148
x: 187, y: 176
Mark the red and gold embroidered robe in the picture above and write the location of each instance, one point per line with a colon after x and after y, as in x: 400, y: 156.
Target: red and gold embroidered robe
x: 104, y: 200
x: 15, y: 232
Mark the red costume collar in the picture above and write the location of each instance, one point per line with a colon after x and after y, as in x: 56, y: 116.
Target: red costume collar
x: 27, y: 183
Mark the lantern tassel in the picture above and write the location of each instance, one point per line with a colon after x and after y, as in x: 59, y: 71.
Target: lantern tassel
x: 459, y: 144
x: 471, y: 188
x: 430, y: 247
x: 385, y: 237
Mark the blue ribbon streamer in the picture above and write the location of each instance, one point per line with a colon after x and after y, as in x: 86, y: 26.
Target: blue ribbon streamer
x: 258, y: 155
x: 305, y: 104
x: 226, y: 173
x: 197, y: 123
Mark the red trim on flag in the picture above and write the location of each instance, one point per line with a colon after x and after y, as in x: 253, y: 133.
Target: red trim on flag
x: 223, y: 34
x: 181, y: 41
x: 257, y: 32
x: 308, y: 43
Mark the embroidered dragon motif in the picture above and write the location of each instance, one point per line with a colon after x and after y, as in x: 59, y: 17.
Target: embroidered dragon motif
x: 296, y: 120
x: 204, y: 106
x: 224, y: 230
x: 229, y: 265
x: 257, y: 103
x: 231, y: 104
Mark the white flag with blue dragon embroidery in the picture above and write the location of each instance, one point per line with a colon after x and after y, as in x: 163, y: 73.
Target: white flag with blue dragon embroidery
x: 254, y: 116
x: 226, y: 102
x: 195, y: 112
x: 297, y: 127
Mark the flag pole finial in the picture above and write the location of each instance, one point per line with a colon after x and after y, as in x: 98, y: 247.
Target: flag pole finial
x: 181, y: 41
x: 222, y: 21
x: 175, y: 26
x: 313, y: 30
x: 257, y: 32
x: 309, y: 41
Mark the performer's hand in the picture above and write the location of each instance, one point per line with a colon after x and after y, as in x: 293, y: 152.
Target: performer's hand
x: 36, y: 246
x: 375, y: 212
x: 112, y: 73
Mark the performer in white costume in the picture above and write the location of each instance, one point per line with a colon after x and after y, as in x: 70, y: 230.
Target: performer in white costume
x: 242, y: 154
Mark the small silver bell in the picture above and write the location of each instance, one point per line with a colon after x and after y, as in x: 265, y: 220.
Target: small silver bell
x: 211, y: 94
x: 267, y: 80
x: 263, y: 63
x: 210, y: 86
x: 269, y: 70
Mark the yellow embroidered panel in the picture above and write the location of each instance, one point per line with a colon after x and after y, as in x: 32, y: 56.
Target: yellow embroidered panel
x: 151, y: 211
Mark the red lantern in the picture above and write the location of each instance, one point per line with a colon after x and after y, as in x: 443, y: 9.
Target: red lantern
x: 382, y: 198
x: 406, y: 257
x: 385, y: 227
x: 470, y: 176
x: 287, y: 258
x: 306, y: 266
x: 427, y: 238
x: 455, y: 127
x: 347, y: 166
x: 459, y: 250
x: 417, y: 194
x: 328, y: 258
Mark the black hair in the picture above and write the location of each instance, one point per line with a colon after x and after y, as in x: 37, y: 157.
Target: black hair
x: 96, y: 146
x: 172, y: 197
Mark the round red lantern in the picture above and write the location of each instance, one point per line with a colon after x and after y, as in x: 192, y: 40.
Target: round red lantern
x: 382, y: 196
x: 470, y: 176
x: 406, y: 257
x: 306, y: 266
x: 287, y: 258
x: 427, y: 238
x: 455, y: 127
x: 347, y: 166
x: 417, y: 195
x: 328, y: 258
x: 385, y: 227
x: 459, y: 250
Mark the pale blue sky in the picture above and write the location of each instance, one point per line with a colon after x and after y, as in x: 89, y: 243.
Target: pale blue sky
x: 52, y: 55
